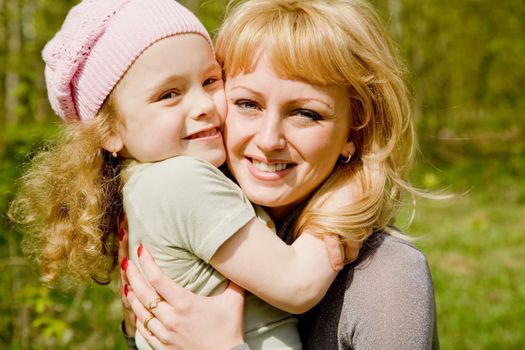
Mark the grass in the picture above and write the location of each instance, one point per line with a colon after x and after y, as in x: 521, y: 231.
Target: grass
x: 476, y: 247
x: 474, y: 244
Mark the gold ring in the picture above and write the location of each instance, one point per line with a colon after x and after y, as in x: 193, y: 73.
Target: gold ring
x: 153, y: 304
x: 146, y: 321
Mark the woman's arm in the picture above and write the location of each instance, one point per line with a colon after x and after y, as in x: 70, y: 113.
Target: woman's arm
x: 184, y: 320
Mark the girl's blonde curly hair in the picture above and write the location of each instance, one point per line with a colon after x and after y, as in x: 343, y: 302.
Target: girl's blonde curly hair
x: 69, y: 202
x: 343, y: 43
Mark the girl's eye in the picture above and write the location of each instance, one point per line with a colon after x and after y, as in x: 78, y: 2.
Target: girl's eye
x: 307, y: 113
x: 169, y: 95
x: 247, y: 104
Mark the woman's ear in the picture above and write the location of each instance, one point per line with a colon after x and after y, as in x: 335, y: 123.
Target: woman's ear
x: 348, y: 149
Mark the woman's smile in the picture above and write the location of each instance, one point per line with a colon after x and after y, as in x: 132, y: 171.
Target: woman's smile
x: 269, y: 169
x: 283, y: 137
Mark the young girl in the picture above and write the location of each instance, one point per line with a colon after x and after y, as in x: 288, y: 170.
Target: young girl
x: 139, y: 87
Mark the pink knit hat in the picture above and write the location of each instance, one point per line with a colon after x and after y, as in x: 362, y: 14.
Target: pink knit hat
x: 99, y: 41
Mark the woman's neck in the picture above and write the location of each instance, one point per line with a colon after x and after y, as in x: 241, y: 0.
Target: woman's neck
x: 280, y: 214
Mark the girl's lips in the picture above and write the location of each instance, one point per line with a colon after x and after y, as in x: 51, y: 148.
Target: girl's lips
x: 268, y: 171
x: 205, y: 135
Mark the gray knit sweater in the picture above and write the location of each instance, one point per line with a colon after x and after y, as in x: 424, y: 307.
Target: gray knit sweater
x: 384, y: 300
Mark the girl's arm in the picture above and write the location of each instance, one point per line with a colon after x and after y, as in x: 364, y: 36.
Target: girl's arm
x: 290, y: 277
x: 187, y: 203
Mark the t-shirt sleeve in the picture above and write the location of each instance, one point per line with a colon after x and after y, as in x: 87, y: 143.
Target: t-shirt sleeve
x: 392, y: 301
x: 188, y: 204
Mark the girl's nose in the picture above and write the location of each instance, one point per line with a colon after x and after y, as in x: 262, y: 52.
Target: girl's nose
x: 202, y: 104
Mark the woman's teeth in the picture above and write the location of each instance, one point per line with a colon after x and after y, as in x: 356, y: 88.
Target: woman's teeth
x: 269, y: 167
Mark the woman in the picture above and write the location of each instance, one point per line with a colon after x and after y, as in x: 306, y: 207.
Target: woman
x: 276, y: 54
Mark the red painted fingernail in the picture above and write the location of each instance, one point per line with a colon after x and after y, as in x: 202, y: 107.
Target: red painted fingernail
x: 139, y: 250
x: 121, y: 233
x: 135, y: 318
x: 124, y: 264
x: 126, y: 290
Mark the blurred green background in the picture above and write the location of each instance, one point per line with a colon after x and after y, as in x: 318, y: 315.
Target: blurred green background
x: 466, y: 61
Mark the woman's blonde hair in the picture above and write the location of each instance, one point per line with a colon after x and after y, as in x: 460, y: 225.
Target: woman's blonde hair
x: 69, y: 202
x: 343, y: 43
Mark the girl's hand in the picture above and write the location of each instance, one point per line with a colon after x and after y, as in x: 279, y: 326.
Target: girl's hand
x: 181, y: 319
x: 340, y: 252
x: 123, y: 252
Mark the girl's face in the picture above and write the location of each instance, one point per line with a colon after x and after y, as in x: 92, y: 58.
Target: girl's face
x: 283, y: 137
x: 171, y: 102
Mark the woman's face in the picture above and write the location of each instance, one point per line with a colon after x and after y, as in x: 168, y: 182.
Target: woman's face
x: 283, y: 137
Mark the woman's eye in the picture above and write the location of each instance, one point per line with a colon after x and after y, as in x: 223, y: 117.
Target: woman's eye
x: 247, y: 104
x: 209, y: 81
x: 169, y: 95
x: 307, y: 113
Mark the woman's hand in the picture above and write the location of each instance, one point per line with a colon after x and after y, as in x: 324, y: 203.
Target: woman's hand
x: 123, y: 252
x: 181, y: 319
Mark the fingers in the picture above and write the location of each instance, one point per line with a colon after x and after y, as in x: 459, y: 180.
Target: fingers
x: 123, y: 249
x: 152, y: 340
x: 233, y: 291
x: 139, y: 287
x: 123, y: 252
x: 335, y: 251
x: 129, y: 316
x: 155, y: 334
x: 146, y: 300
x: 163, y: 285
x: 351, y: 250
x: 233, y: 296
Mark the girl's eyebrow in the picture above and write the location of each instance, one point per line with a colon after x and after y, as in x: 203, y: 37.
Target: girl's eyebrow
x: 213, y: 66
x: 165, y: 80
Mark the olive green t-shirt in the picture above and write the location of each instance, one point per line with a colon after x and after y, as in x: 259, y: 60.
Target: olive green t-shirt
x: 182, y: 210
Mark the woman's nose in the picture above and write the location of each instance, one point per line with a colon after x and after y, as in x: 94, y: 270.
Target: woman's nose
x: 271, y: 133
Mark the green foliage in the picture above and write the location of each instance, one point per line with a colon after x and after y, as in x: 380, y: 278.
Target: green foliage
x: 34, y: 316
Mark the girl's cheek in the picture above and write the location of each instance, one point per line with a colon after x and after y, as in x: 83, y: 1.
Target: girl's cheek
x: 220, y: 102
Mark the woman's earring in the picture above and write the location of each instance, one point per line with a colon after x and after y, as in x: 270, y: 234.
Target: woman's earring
x: 347, y: 160
x: 114, y: 154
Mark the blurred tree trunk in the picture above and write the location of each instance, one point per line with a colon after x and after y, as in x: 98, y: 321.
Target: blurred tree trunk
x: 3, y: 59
x: 12, y: 48
x: 395, y: 8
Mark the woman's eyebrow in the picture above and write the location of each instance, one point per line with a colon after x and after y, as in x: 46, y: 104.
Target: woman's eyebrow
x: 315, y: 99
x: 244, y: 87
x: 292, y: 100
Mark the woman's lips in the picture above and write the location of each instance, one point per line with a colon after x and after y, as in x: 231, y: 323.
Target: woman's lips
x: 272, y: 170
